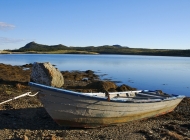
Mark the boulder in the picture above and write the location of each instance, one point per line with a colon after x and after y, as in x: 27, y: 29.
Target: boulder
x: 102, y: 85
x: 45, y: 73
x: 125, y: 88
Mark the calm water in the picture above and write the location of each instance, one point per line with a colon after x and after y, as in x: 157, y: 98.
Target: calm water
x: 170, y: 74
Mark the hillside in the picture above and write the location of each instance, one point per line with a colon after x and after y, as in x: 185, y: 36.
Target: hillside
x: 33, y: 47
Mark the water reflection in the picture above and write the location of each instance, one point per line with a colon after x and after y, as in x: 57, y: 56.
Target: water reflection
x: 169, y: 74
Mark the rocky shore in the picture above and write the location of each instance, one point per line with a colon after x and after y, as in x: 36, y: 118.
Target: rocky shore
x: 26, y: 119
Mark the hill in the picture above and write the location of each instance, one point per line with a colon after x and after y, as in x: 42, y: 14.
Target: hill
x: 33, y: 47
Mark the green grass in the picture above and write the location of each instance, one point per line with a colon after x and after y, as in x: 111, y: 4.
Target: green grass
x: 62, y: 52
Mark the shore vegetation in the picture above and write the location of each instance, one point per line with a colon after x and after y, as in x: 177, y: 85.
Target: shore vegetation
x: 33, y: 47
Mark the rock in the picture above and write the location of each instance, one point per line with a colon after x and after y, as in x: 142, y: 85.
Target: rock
x: 89, y: 72
x: 45, y: 73
x: 78, y: 77
x: 102, y: 85
x: 53, y: 137
x: 25, y: 137
x: 125, y: 88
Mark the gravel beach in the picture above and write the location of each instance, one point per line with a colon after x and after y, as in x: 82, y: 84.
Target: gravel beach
x: 26, y: 119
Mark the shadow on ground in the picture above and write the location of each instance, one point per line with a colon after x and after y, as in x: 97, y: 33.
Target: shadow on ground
x: 27, y: 118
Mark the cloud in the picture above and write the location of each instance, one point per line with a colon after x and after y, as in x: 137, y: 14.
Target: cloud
x: 5, y: 40
x: 4, y: 26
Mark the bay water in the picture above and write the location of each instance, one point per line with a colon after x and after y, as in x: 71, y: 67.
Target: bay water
x: 169, y: 74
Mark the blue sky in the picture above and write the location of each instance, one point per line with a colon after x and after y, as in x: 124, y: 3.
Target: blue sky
x: 161, y: 24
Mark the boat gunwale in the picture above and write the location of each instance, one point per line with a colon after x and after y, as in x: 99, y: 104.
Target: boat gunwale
x: 73, y: 93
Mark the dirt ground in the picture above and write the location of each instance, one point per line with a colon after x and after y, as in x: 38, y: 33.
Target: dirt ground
x: 26, y: 119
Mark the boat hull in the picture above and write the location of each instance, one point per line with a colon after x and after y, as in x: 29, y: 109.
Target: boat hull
x: 75, y: 110
x: 105, y: 121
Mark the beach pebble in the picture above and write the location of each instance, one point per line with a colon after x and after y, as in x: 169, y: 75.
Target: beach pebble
x: 25, y: 137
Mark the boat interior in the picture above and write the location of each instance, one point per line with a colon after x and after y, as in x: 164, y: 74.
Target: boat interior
x: 135, y: 96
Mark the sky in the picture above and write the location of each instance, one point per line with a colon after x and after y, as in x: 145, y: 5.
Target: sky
x: 156, y: 24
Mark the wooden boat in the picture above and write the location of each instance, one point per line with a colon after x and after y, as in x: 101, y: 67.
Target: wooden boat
x: 90, y: 110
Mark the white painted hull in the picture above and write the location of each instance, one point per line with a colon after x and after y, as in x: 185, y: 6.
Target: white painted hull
x: 79, y: 110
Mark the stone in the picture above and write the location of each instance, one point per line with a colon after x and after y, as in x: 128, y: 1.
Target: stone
x: 46, y: 74
x: 125, y: 88
x: 25, y: 137
x: 102, y: 85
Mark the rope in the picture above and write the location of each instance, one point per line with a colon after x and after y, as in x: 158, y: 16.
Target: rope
x: 23, y: 95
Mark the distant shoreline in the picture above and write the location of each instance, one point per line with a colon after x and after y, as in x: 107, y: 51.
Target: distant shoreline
x: 91, y: 53
x: 35, y: 48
